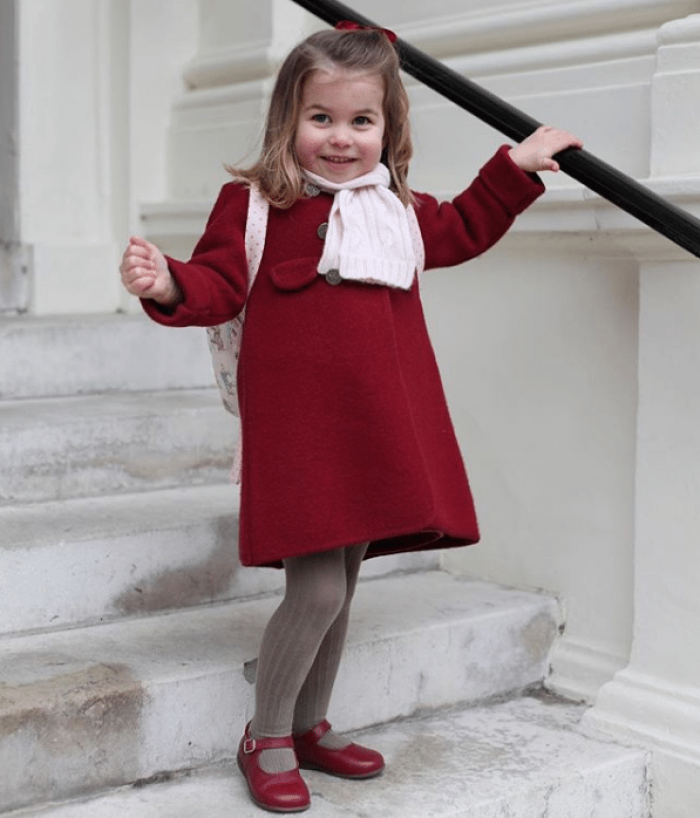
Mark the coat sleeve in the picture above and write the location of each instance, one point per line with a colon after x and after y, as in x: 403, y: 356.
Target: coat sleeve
x: 214, y: 282
x: 454, y: 232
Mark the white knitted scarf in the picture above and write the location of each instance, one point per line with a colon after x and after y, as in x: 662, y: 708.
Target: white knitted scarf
x: 371, y: 236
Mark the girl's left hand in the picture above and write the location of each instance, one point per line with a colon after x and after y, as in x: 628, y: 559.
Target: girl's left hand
x: 535, y: 153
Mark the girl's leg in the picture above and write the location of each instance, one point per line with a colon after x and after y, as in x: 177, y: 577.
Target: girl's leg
x: 314, y: 697
x: 315, y: 594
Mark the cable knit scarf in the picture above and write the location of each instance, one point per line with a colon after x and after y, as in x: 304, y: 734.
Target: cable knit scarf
x: 371, y: 236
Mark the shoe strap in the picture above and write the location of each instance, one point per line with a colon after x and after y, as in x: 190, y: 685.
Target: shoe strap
x: 316, y: 733
x: 257, y: 745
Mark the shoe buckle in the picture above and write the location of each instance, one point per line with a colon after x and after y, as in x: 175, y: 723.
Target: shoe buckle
x: 248, y: 746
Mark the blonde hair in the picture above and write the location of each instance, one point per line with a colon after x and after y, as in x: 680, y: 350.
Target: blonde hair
x: 277, y: 169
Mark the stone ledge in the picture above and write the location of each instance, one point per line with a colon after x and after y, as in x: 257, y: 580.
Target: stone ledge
x: 534, y: 25
x: 574, y: 216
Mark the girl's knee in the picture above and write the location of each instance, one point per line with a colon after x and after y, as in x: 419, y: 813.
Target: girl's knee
x: 328, y: 600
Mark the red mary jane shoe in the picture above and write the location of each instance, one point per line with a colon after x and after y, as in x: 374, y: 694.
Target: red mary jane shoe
x: 276, y: 792
x: 353, y: 761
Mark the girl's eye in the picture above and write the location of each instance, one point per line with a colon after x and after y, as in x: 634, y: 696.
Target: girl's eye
x: 322, y: 118
x: 363, y: 120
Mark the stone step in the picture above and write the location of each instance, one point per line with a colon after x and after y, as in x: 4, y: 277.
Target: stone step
x: 521, y: 759
x: 72, y: 355
x: 85, y: 446
x: 92, y: 708
x: 105, y: 558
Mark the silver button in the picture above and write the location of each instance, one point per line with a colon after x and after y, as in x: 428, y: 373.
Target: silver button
x: 333, y: 277
x: 312, y: 190
x: 322, y: 231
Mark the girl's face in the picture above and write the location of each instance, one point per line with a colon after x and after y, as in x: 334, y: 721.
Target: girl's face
x: 340, y: 132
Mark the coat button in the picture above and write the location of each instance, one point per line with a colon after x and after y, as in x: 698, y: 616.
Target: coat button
x: 333, y: 277
x: 322, y: 231
x: 312, y: 190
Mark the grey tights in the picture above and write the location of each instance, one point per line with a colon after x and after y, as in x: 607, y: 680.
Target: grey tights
x: 301, y: 649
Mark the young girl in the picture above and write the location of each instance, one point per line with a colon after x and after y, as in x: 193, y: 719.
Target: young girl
x: 348, y: 448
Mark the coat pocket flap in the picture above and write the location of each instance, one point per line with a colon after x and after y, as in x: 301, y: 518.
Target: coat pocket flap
x: 294, y: 274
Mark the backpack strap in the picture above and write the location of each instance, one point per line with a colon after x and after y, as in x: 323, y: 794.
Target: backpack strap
x: 255, y: 231
x: 225, y: 339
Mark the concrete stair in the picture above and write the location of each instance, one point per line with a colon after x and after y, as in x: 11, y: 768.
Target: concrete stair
x: 89, y: 708
x: 102, y: 404
x: 66, y: 356
x: 75, y: 447
x: 518, y: 759
x: 129, y: 629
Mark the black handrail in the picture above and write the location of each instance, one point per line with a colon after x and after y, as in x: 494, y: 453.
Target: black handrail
x: 656, y: 212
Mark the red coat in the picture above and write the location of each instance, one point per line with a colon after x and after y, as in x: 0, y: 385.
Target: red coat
x: 346, y: 433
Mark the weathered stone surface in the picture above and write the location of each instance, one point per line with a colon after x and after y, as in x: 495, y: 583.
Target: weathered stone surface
x: 132, y: 699
x: 67, y: 727
x: 92, y: 445
x: 520, y: 759
x: 72, y: 355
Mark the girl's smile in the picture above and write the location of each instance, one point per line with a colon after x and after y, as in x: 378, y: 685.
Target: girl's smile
x: 340, y: 132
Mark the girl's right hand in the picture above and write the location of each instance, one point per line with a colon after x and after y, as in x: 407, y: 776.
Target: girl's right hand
x: 145, y: 273
x: 535, y: 152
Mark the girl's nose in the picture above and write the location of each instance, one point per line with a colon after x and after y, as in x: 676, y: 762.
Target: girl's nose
x: 340, y: 137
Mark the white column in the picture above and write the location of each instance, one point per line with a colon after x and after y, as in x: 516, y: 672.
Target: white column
x: 13, y: 278
x: 217, y: 118
x: 656, y: 699
x: 70, y: 54
x: 163, y: 39
x: 220, y: 116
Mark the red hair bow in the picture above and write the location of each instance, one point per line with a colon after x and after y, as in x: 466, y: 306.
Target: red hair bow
x: 349, y: 25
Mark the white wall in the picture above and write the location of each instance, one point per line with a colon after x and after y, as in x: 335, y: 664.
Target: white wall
x: 538, y: 340
x: 539, y: 357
